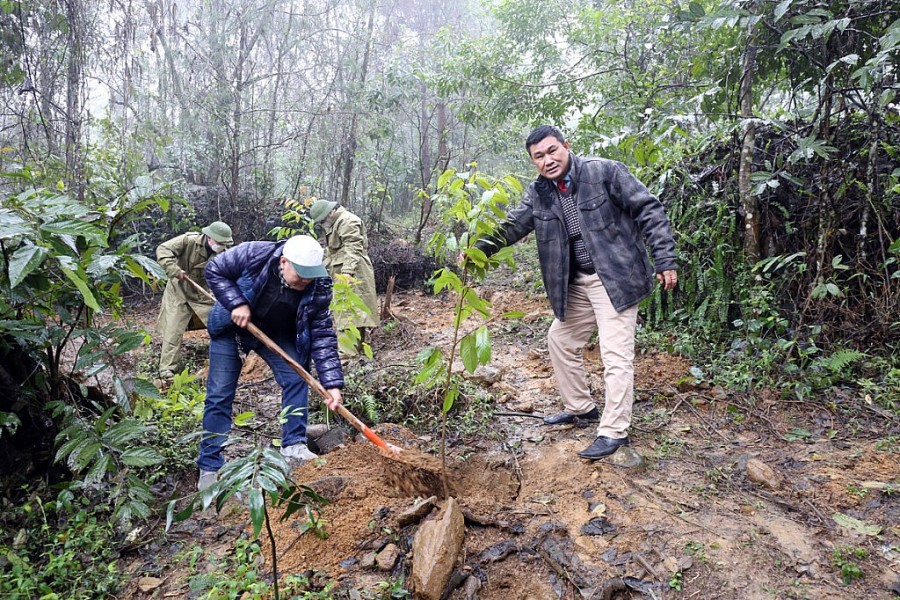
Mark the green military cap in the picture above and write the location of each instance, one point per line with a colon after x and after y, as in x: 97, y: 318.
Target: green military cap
x: 320, y: 209
x: 220, y: 232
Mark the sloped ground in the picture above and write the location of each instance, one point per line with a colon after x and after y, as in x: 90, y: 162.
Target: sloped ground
x: 693, y: 521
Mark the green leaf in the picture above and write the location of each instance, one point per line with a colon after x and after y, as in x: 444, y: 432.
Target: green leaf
x: 782, y: 8
x: 445, y: 177
x: 79, y: 460
x: 23, y: 261
x: 150, y: 266
x: 141, y: 457
x: 513, y: 314
x: 90, y: 233
x: 257, y: 504
x: 243, y: 419
x: 472, y: 299
x: 98, y: 470
x: 450, y: 397
x: 122, y: 432
x: 74, y: 442
x: 128, y: 341
x: 145, y: 388
x: 476, y: 255
x: 82, y: 286
x: 468, y: 352
x: 863, y: 527
x: 483, y: 345
x: 9, y: 422
x: 447, y: 278
x: 101, y: 264
x: 12, y: 225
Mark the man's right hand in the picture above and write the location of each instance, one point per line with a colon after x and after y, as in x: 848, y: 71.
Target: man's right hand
x: 240, y: 316
x: 181, y: 276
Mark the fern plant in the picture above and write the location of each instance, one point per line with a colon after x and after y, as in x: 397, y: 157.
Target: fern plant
x: 838, y: 361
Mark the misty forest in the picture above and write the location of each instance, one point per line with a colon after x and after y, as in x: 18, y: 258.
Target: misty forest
x: 764, y: 454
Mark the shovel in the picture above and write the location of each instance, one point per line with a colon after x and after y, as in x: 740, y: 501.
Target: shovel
x: 424, y: 477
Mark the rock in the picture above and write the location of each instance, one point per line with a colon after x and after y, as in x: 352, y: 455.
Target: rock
x: 329, y: 441
x: 627, y: 458
x: 387, y: 558
x: 760, y: 472
x: 368, y: 560
x: 598, y: 526
x: 486, y: 375
x: 148, y: 584
x: 435, y: 548
x: 471, y: 587
x: 329, y: 487
x: 525, y: 406
x: 416, y: 512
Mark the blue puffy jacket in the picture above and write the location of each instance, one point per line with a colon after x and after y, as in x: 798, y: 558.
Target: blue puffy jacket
x: 236, y: 277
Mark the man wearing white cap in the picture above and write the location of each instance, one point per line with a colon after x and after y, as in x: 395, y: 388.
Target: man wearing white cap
x: 185, y: 256
x: 284, y: 289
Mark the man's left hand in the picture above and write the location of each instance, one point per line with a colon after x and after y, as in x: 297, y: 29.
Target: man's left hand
x: 334, y: 400
x: 668, y: 279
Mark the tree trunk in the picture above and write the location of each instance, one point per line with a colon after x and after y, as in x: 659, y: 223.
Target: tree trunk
x: 234, y: 187
x: 74, y: 150
x: 749, y: 203
x: 351, y: 144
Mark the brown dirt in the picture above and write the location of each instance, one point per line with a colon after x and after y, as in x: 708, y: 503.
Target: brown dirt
x: 690, y: 509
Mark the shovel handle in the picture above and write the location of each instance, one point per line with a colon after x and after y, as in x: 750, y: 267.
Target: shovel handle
x: 309, y: 379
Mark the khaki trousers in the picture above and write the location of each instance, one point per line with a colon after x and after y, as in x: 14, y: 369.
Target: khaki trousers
x: 174, y: 317
x: 589, y: 309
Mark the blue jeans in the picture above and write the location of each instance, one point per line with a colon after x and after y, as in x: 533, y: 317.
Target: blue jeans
x: 224, y: 370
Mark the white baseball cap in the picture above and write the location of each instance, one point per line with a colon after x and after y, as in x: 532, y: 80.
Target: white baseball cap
x: 306, y: 255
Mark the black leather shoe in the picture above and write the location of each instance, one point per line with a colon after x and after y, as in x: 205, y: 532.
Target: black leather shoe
x: 567, y: 417
x: 603, y: 446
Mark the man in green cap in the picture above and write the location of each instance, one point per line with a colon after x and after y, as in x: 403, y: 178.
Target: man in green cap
x: 347, y: 253
x: 181, y: 257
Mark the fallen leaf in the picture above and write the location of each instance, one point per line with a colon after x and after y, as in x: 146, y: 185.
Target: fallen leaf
x: 855, y: 524
x: 148, y: 584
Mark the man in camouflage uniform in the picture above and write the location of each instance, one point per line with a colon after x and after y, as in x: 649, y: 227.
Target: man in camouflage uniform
x: 181, y: 257
x: 347, y: 253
